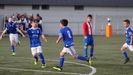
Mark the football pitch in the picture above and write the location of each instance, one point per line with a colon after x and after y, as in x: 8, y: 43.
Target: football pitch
x: 109, y: 60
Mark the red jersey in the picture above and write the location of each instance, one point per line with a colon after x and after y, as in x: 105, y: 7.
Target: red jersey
x: 87, y: 28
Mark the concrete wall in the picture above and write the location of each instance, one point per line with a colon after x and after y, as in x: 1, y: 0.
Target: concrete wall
x: 52, y: 16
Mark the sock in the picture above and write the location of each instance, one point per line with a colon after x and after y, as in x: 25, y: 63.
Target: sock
x: 125, y: 54
x: 42, y: 58
x: 13, y: 48
x: 61, y: 61
x: 82, y: 58
x: 86, y: 52
x: 91, y: 51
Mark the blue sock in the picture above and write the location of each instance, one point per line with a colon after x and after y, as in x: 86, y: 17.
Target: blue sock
x: 85, y: 52
x: 91, y: 51
x: 61, y: 61
x: 125, y: 54
x: 82, y: 58
x: 42, y: 58
x: 13, y: 48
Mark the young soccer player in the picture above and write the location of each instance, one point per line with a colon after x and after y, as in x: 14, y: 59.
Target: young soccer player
x: 11, y: 27
x: 35, y: 44
x: 67, y: 36
x: 129, y: 40
x: 88, y: 37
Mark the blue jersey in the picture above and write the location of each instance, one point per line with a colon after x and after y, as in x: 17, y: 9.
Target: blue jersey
x: 67, y: 36
x: 128, y: 35
x: 34, y: 35
x: 11, y: 27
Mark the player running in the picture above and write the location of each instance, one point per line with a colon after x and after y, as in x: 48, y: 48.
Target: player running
x: 35, y: 44
x: 67, y: 36
x: 13, y: 30
x: 129, y: 40
x: 88, y: 37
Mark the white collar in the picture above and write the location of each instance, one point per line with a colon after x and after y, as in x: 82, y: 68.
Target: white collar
x: 127, y: 27
x: 34, y: 28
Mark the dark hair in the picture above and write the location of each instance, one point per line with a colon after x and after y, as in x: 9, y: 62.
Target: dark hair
x: 37, y: 14
x: 34, y: 20
x: 64, y: 22
x: 127, y: 21
x: 89, y: 16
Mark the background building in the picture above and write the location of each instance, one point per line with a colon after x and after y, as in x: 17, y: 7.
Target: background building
x: 74, y: 10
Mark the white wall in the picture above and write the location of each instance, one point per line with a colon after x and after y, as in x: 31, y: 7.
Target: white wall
x: 52, y: 16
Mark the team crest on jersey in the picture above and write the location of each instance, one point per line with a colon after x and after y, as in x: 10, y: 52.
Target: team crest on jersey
x: 32, y: 31
x: 37, y: 31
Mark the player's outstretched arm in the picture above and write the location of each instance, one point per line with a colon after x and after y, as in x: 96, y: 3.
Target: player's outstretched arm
x: 4, y: 31
x: 23, y: 31
x: 59, y: 39
x: 44, y: 38
x: 20, y: 32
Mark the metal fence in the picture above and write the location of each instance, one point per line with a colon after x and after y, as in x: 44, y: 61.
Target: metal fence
x: 1, y: 22
x: 98, y: 25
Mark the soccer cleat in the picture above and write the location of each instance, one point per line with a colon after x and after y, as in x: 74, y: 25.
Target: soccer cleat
x: 35, y: 62
x: 43, y: 66
x: 127, y: 60
x: 13, y: 54
x: 90, y: 61
x: 57, y: 68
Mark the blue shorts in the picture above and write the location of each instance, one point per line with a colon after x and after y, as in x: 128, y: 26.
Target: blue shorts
x: 89, y: 41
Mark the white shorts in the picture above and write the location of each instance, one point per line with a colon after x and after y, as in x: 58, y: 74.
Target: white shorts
x: 69, y: 50
x: 13, y: 38
x: 36, y: 50
x: 130, y: 47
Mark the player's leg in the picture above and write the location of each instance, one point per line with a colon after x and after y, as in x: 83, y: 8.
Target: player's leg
x: 12, y: 43
x: 91, y: 43
x: 39, y: 51
x: 85, y: 48
x: 92, y: 53
x: 34, y: 54
x: 17, y: 42
x: 124, y: 53
x: 73, y: 53
x: 62, y: 54
x: 91, y: 50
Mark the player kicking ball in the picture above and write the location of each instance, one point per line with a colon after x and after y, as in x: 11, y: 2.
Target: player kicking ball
x: 35, y: 44
x: 67, y: 36
x: 11, y: 27
x: 129, y: 40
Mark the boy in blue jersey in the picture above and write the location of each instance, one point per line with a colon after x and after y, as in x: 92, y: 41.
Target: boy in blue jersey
x: 67, y: 36
x: 11, y: 27
x: 129, y: 40
x: 35, y: 44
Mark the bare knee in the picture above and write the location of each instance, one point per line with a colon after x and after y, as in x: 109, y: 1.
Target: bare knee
x: 74, y: 56
x: 85, y: 46
x: 123, y: 48
x: 62, y: 54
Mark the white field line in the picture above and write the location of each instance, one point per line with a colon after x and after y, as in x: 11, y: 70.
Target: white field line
x: 42, y: 71
x: 53, y: 72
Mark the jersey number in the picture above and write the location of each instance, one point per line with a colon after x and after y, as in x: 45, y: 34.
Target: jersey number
x: 69, y: 34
